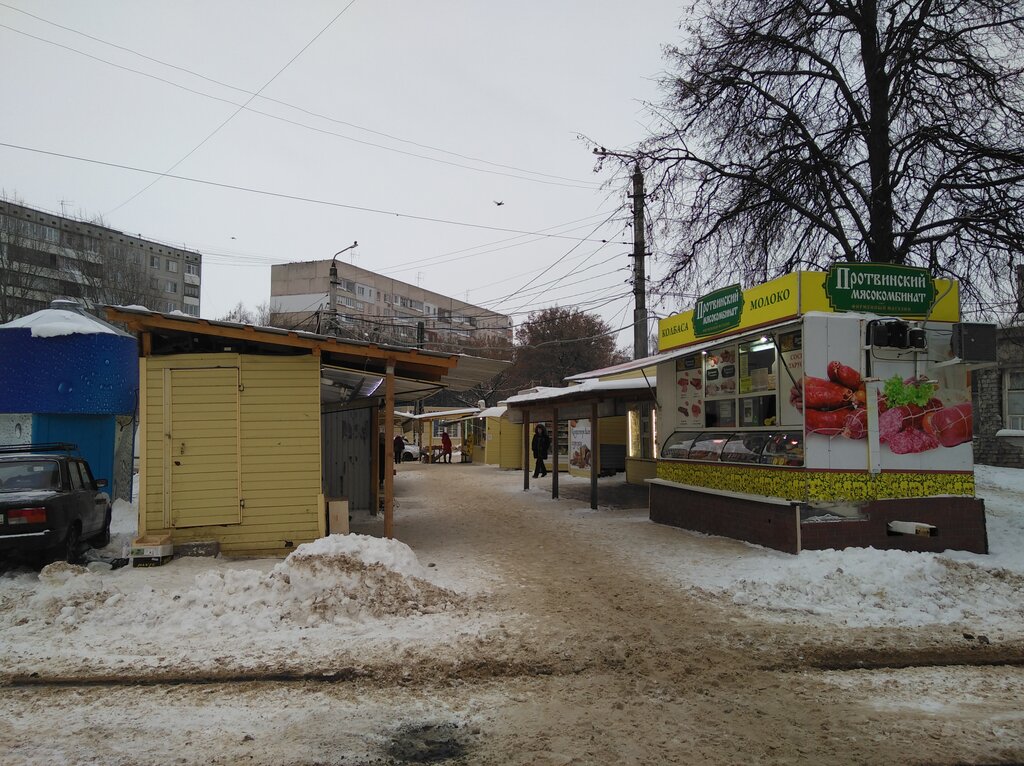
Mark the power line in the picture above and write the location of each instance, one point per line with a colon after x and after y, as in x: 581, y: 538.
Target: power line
x: 239, y: 109
x: 297, y: 198
x: 574, y: 183
x: 563, y: 257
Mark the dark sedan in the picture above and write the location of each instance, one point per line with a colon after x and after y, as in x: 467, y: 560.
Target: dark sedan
x: 50, y: 505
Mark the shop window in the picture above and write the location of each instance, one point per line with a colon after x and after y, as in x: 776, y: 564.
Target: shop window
x: 1014, y: 399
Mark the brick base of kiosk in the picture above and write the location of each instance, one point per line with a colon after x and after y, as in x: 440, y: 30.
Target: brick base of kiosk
x: 959, y: 522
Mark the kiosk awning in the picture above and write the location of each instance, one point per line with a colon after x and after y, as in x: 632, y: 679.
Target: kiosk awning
x: 668, y: 356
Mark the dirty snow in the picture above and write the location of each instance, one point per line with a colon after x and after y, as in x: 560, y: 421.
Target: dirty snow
x: 359, y: 591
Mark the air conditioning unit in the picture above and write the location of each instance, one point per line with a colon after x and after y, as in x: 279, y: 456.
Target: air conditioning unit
x: 974, y: 342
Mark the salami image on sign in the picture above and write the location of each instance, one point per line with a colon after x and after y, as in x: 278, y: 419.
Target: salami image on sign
x: 718, y: 311
x: 880, y: 289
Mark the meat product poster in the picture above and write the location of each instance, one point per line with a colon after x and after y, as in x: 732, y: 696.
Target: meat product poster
x: 925, y: 415
x: 690, y: 392
x: 579, y: 446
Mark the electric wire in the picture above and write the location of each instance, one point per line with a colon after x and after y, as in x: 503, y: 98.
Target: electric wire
x: 245, y: 106
x: 260, y: 95
x: 296, y: 197
x: 239, y: 109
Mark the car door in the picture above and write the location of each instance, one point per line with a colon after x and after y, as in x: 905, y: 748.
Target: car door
x: 92, y: 505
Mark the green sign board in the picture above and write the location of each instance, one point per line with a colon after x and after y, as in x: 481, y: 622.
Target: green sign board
x: 880, y: 288
x: 718, y: 311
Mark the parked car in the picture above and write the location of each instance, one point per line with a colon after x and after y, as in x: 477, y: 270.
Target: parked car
x: 50, y: 504
x: 411, y: 452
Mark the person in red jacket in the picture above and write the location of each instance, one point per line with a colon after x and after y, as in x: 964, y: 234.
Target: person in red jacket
x: 446, y: 447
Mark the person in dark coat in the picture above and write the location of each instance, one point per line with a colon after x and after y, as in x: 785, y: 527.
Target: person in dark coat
x: 541, y: 445
x: 399, y: 448
x: 446, y: 447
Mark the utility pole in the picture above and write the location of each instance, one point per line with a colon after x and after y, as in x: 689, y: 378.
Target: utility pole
x: 639, y: 272
x: 639, y: 252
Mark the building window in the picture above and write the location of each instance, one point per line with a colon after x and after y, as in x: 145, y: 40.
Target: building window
x: 1015, y: 400
x: 171, y: 287
x: 192, y: 310
x: 172, y: 266
x: 154, y: 261
x: 454, y: 429
x: 191, y: 291
x: 192, y: 268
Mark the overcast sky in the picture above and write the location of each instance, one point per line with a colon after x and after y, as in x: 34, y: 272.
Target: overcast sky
x: 428, y: 110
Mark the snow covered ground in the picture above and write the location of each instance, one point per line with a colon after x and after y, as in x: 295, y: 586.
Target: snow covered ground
x: 857, y: 587
x: 363, y: 595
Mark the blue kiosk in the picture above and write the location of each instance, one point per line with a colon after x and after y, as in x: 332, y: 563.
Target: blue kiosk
x: 70, y: 377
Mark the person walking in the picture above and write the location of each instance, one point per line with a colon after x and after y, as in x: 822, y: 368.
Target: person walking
x: 541, y: 444
x: 446, y: 447
x: 399, y: 448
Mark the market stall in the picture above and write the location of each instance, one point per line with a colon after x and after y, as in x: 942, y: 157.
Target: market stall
x: 822, y: 410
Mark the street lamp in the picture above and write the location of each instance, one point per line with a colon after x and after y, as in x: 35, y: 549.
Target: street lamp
x: 332, y: 293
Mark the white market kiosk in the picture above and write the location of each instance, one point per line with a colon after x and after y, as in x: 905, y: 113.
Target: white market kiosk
x: 822, y: 410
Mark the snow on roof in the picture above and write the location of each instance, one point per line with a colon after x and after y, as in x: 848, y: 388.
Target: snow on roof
x: 448, y: 414
x: 591, y: 386
x: 492, y: 412
x: 54, y: 323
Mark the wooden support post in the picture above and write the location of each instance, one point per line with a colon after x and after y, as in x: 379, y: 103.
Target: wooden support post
x: 594, y: 457
x: 389, y: 468
x: 526, y: 450
x: 554, y: 453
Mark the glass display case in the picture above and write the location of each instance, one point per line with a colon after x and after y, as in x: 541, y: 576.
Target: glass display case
x: 677, y: 446
x: 745, y: 447
x: 708, y: 446
x: 785, y: 448
x: 782, y: 448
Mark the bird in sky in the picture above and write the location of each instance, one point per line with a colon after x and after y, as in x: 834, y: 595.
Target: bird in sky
x: 499, y: 203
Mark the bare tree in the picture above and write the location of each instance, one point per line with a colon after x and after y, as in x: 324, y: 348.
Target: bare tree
x: 259, y: 316
x: 557, y: 342
x: 24, y: 288
x: 798, y: 133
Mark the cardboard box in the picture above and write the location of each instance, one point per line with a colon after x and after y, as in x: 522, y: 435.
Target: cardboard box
x: 151, y: 550
x: 337, y: 517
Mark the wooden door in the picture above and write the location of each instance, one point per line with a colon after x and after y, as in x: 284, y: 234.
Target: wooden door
x: 201, y: 448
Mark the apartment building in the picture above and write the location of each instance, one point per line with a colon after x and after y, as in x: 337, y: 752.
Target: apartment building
x: 44, y: 256
x: 376, y: 307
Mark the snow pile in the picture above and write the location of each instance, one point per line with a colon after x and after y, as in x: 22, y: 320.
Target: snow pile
x: 866, y: 587
x: 341, y: 578
x: 338, y: 580
x: 67, y: 593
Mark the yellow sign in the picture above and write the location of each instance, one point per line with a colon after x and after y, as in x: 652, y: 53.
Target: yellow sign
x: 789, y: 297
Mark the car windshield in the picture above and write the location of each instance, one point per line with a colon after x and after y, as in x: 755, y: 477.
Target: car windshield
x: 29, y: 474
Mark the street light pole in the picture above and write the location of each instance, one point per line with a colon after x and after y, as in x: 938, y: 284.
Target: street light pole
x: 332, y: 292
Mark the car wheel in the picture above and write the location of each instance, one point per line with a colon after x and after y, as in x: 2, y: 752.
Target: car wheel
x: 73, y: 544
x: 102, y: 538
